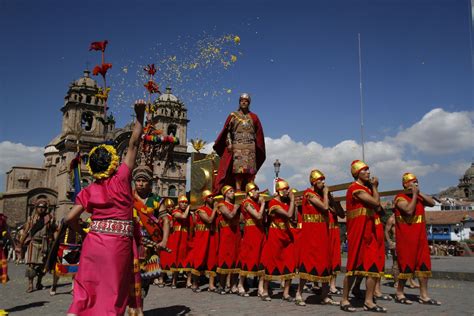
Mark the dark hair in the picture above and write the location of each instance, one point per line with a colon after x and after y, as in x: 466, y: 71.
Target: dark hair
x: 100, y: 160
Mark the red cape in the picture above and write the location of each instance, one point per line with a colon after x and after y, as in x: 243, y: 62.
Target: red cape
x: 224, y: 174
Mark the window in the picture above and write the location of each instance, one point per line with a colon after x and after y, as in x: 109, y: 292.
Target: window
x: 87, y: 118
x: 88, y: 99
x: 172, y: 190
x: 172, y: 129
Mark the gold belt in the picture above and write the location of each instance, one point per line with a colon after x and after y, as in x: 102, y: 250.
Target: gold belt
x: 201, y: 227
x: 377, y: 221
x: 180, y: 228
x: 279, y: 225
x: 313, y: 218
x: 225, y: 224
x: 360, y: 212
x: 249, y: 222
x: 333, y: 225
x: 410, y: 220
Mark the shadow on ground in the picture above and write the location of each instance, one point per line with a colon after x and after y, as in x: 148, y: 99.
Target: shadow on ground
x: 170, y: 310
x: 26, y: 306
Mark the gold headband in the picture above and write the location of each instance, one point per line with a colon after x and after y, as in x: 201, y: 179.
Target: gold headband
x: 357, y: 166
x: 225, y: 189
x: 315, y: 175
x: 408, y: 177
x: 182, y: 198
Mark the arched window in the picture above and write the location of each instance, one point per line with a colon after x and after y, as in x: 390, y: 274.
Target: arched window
x: 172, y: 190
x: 86, y: 120
x: 88, y: 99
x: 172, y: 129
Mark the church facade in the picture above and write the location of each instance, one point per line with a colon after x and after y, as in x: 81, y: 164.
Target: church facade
x: 83, y: 127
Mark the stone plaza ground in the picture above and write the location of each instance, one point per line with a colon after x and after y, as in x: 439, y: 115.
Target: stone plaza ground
x: 455, y: 293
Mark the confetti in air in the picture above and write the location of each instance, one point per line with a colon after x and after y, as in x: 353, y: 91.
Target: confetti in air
x: 197, y: 69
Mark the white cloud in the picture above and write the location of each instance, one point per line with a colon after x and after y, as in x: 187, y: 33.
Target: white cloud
x: 437, y: 134
x: 440, y: 132
x: 17, y: 154
x: 298, y: 159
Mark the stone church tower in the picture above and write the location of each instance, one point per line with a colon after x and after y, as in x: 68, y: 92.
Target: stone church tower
x: 170, y: 170
x: 81, y: 130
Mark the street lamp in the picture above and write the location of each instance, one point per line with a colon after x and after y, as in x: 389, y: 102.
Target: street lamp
x: 276, y: 167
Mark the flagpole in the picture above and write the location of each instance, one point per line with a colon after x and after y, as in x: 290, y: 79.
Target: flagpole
x: 361, y: 102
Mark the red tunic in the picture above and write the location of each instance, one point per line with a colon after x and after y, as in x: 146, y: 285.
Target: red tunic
x: 252, y: 242
x: 314, y: 246
x: 211, y: 266
x: 278, y: 255
x: 363, y: 257
x: 335, y: 243
x: 166, y: 258
x: 229, y: 240
x: 296, y: 230
x: 178, y: 242
x: 411, y: 241
x: 189, y: 260
x: 202, y: 234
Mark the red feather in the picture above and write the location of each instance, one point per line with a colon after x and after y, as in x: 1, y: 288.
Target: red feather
x: 152, y: 87
x: 101, y: 69
x: 150, y: 69
x: 99, y: 45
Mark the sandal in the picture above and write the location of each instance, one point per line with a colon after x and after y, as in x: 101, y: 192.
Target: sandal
x: 265, y: 298
x: 375, y: 309
x: 244, y: 294
x: 336, y: 292
x: 383, y: 297
x: 214, y: 290
x: 52, y: 292
x: 300, y: 302
x: 221, y: 291
x: 348, y: 308
x: 330, y: 301
x: 174, y: 287
x: 429, y: 302
x: 403, y: 300
x: 196, y: 290
x: 29, y: 290
x: 288, y: 299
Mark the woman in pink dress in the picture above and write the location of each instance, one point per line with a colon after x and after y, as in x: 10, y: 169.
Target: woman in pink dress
x: 102, y: 285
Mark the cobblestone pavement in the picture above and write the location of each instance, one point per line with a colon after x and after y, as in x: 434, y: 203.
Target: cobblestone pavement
x: 457, y: 298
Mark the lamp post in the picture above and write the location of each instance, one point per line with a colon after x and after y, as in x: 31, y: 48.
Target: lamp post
x: 276, y: 167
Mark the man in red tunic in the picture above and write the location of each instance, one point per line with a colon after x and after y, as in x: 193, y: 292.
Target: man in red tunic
x: 411, y: 240
x: 363, y: 258
x: 241, y: 146
x: 229, y: 240
x: 315, y: 265
x: 205, y: 216
x: 251, y: 246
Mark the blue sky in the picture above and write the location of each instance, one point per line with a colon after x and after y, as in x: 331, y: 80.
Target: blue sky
x: 298, y: 60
